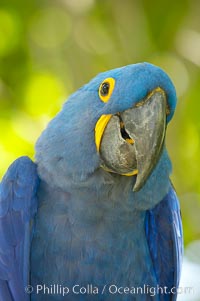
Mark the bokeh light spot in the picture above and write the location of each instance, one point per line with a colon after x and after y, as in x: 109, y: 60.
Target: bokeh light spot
x: 11, y: 145
x: 93, y: 39
x: 50, y: 28
x: 44, y: 94
x: 193, y: 251
x: 190, y: 148
x: 176, y: 69
x: 28, y: 128
x: 188, y: 45
x: 79, y: 6
x: 9, y: 32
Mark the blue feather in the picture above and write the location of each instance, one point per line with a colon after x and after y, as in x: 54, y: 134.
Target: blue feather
x: 18, y: 205
x: 165, y: 239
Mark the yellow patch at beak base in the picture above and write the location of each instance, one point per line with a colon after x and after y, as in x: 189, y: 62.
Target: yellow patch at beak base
x: 130, y: 174
x: 100, y: 127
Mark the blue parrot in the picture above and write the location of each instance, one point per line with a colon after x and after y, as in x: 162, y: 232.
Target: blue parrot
x: 96, y: 216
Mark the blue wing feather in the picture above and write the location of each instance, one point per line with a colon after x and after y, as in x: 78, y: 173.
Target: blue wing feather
x: 18, y: 205
x: 165, y: 240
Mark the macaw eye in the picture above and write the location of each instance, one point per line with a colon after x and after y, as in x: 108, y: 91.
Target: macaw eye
x: 106, y: 89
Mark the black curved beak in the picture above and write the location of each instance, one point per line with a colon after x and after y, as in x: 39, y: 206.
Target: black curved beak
x: 146, y: 125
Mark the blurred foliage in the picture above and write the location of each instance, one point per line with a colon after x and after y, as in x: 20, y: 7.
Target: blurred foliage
x: 48, y: 49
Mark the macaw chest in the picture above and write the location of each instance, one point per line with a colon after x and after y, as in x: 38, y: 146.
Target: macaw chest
x: 89, y: 246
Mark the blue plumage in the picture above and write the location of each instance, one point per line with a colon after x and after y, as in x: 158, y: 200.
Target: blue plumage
x: 164, y: 236
x: 91, y: 228
x: 18, y: 205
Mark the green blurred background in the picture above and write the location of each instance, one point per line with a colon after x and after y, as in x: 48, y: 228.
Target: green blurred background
x: 48, y: 49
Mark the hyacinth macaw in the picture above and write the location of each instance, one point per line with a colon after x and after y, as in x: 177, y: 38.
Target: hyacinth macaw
x: 97, y: 208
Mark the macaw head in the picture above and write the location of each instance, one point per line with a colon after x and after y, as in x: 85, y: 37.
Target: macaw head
x: 117, y: 123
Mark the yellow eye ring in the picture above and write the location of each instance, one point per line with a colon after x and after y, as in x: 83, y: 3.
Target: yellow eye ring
x: 106, y: 88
